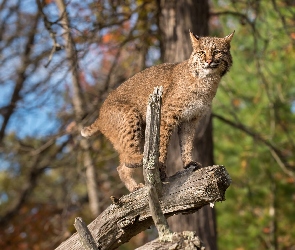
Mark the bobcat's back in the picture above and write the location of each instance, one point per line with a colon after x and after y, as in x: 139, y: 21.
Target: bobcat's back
x: 134, y: 92
x: 137, y: 89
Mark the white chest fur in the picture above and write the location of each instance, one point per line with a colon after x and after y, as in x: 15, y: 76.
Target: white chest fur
x: 196, y: 109
x: 200, y: 99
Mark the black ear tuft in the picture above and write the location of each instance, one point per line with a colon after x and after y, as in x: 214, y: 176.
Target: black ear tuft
x: 197, y: 37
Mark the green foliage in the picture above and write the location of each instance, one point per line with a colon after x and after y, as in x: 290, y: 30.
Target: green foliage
x: 257, y: 94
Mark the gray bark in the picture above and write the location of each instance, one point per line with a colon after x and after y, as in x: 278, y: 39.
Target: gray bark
x: 85, y: 235
x: 152, y: 140
x: 185, y: 240
x: 151, y: 162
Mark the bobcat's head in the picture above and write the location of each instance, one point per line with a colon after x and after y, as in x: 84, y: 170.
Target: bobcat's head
x: 210, y: 56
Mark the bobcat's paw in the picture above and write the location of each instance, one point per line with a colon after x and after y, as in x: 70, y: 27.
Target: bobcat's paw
x: 140, y: 185
x: 194, y: 164
x: 133, y: 165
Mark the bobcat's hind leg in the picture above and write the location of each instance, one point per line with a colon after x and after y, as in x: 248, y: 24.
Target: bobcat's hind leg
x: 128, y: 140
x: 131, y: 138
x: 127, y: 176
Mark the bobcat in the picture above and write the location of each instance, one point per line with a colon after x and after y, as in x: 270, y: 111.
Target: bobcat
x: 189, y: 88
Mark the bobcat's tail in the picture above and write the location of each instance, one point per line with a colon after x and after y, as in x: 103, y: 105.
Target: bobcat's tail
x: 90, y: 130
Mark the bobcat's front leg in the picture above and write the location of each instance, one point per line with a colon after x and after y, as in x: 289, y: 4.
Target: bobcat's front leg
x: 187, y: 133
x: 167, y: 126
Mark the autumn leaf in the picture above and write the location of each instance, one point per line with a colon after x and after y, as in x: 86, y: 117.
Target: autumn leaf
x: 48, y: 1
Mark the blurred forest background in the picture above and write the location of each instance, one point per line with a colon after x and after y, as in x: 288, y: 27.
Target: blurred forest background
x: 59, y: 60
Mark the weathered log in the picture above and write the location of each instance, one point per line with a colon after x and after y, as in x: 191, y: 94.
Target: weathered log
x: 185, y: 192
x: 185, y: 240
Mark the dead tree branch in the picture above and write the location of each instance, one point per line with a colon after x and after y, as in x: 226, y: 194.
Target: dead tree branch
x: 151, y: 162
x: 185, y: 192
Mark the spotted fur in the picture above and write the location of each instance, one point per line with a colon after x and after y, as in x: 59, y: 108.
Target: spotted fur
x: 189, y: 88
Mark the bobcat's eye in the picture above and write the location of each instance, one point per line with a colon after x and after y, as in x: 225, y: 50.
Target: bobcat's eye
x: 215, y: 52
x: 201, y: 52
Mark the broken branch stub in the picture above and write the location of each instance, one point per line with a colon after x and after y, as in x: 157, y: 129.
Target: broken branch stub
x: 85, y: 235
x: 151, y: 161
x: 152, y: 140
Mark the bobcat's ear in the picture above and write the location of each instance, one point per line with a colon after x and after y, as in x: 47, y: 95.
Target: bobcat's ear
x: 194, y: 39
x: 229, y: 37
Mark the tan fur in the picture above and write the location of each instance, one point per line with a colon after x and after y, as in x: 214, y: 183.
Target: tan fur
x: 189, y: 88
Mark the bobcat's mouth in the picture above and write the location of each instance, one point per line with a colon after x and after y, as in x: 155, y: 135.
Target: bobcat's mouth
x: 212, y: 65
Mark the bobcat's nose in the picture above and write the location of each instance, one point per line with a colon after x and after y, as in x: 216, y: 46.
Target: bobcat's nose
x: 210, y: 63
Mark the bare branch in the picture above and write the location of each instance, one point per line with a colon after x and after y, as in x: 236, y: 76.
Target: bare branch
x: 48, y: 24
x: 21, y: 77
x: 277, y: 153
x: 232, y: 13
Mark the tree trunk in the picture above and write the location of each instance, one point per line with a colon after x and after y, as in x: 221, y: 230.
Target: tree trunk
x: 175, y: 21
x: 78, y: 104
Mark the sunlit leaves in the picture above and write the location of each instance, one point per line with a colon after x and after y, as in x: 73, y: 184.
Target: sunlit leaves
x: 257, y: 94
